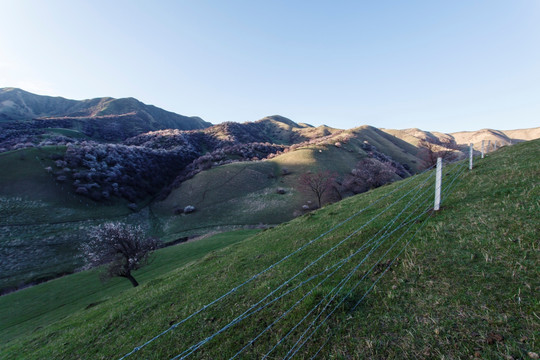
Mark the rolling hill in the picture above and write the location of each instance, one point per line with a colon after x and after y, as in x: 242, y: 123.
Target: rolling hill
x: 465, y: 286
x: 45, y: 220
x: 247, y: 192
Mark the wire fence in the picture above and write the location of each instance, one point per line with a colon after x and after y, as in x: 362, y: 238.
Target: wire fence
x: 337, y: 276
x: 301, y: 341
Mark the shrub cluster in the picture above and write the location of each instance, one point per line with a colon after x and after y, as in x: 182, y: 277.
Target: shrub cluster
x: 20, y: 135
x: 100, y: 171
x: 14, y: 136
x: 196, y: 140
x: 368, y: 173
x: 402, y: 170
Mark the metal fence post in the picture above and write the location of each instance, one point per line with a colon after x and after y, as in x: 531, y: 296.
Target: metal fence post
x: 438, y: 182
x: 470, y: 155
x: 483, y: 149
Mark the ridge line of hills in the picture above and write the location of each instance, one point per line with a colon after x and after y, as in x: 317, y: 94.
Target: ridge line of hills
x: 17, y: 105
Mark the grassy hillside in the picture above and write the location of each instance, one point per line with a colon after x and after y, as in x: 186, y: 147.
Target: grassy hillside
x: 414, y: 136
x: 476, y: 137
x: 523, y: 134
x: 25, y: 178
x: 27, y: 310
x: 246, y: 193
x: 398, y: 149
x: 466, y: 286
x: 43, y: 221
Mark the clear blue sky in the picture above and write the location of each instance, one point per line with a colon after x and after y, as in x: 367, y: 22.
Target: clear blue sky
x: 437, y: 65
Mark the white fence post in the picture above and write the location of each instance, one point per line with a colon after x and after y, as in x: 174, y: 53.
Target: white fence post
x: 438, y: 181
x: 483, y: 149
x: 470, y: 155
x: 488, y: 146
x: 495, y: 145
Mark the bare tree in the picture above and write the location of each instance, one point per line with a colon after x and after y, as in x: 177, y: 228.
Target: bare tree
x: 121, y: 248
x: 430, y: 151
x: 319, y: 184
x: 369, y: 173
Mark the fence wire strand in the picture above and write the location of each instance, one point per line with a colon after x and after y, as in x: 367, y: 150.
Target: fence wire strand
x: 374, y: 242
x: 194, y: 347
x: 233, y: 290
x: 296, y: 347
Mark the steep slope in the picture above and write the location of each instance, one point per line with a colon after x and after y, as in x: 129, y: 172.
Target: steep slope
x: 216, y: 169
x: 465, y: 286
x: 395, y: 147
x: 43, y: 221
x: 45, y: 217
x: 26, y: 310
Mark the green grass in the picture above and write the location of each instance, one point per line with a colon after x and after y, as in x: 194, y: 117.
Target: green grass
x: 465, y: 287
x: 30, y: 309
x: 32, y: 196
x: 43, y: 221
x: 246, y: 193
x: 396, y: 148
x: 220, y: 196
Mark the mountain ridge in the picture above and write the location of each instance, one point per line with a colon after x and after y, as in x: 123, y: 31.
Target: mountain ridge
x: 105, y: 118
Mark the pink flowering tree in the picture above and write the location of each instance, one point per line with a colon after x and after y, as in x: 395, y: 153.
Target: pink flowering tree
x: 119, y: 248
